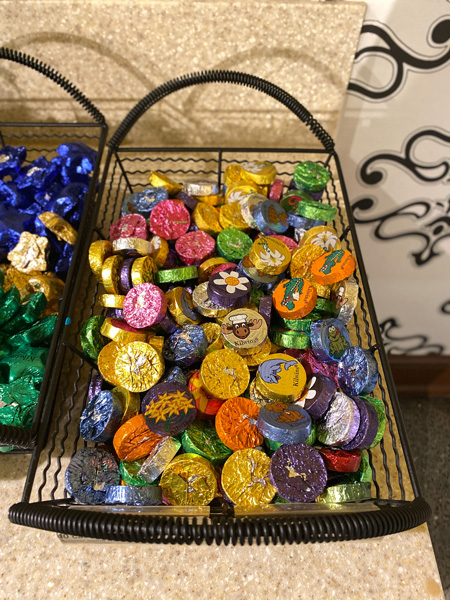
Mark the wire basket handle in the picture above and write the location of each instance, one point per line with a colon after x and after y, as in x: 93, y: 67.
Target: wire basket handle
x: 65, y: 84
x: 236, y: 77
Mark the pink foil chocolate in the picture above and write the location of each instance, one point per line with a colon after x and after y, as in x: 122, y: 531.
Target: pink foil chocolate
x: 133, y: 225
x: 170, y: 219
x: 195, y: 247
x: 144, y: 305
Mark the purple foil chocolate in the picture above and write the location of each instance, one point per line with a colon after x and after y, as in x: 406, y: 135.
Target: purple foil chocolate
x: 229, y: 289
x: 265, y: 309
x: 320, y: 391
x: 340, y: 423
x: 298, y: 472
x: 169, y: 408
x: 125, y: 283
x: 368, y: 426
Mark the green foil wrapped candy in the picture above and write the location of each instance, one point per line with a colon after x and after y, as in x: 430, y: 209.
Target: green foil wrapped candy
x: 24, y: 361
x: 37, y: 335
x: 18, y: 402
x: 201, y: 438
x: 29, y: 311
x: 91, y: 339
x: 9, y: 304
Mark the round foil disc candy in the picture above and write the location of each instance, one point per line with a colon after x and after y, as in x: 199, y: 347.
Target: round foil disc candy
x: 101, y: 418
x: 254, y: 360
x: 169, y: 408
x: 333, y: 267
x: 111, y: 274
x: 224, y: 374
x: 345, y: 492
x: 233, y: 244
x: 276, y: 190
x: 129, y: 472
x: 281, y: 377
x: 229, y: 289
x: 133, y: 495
x: 368, y: 426
x: 125, y: 284
x: 121, y: 332
x: 189, y: 480
x: 96, y: 384
x: 261, y: 172
x: 232, y: 174
x: 294, y: 298
x: 175, y: 374
x: 227, y: 266
x: 134, y: 226
x: 186, y: 346
x: 341, y: 460
x: 312, y: 209
x: 207, y: 405
x: 201, y: 438
x: 170, y: 219
x: 212, y: 199
x: 91, y: 338
x: 270, y: 255
x: 143, y: 202
x: 207, y: 267
x: 298, y: 472
x: 131, y: 402
x: 236, y: 424
x: 357, y: 371
x: 313, y: 365
x: 381, y: 414
x: 181, y: 306
x: 236, y: 192
x: 195, y: 247
x: 317, y: 395
x: 159, y: 250
x: 138, y: 366
x: 290, y: 243
x: 248, y: 203
x: 134, y: 440
x: 106, y: 362
x: 206, y: 218
x: 287, y: 338
x: 245, y: 478
x: 323, y: 236
x: 98, y: 252
x: 270, y: 217
x: 132, y: 246
x: 159, y: 458
x: 323, y: 291
x: 303, y: 258
x: 284, y: 423
x: 311, y: 176
x: 291, y: 200
x: 244, y: 330
x: 213, y: 335
x: 340, y: 423
x: 204, y: 305
x: 188, y: 200
x: 89, y: 474
x: 157, y: 179
x: 144, y: 305
x: 143, y: 270
x: 230, y: 216
x: 329, y: 339
x: 345, y: 296
x: 256, y: 396
x: 201, y: 187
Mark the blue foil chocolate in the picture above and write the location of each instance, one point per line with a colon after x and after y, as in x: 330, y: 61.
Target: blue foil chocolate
x: 134, y: 495
x: 89, y: 475
x: 186, y: 346
x: 175, y: 374
x: 143, y: 202
x: 38, y: 175
x: 329, y: 340
x: 270, y: 217
x: 284, y: 423
x: 11, y: 159
x: 102, y: 417
x: 357, y: 371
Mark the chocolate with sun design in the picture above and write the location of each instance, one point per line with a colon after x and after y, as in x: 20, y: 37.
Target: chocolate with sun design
x: 229, y: 289
x: 169, y: 408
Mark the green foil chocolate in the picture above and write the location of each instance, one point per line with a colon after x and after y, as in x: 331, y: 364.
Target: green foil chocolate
x: 345, y: 492
x: 91, y: 339
x: 311, y: 176
x: 9, y: 304
x: 233, y: 244
x: 290, y: 339
x: 364, y: 472
x: 29, y: 311
x: 38, y: 334
x: 18, y: 402
x: 381, y: 414
x: 24, y: 361
x: 201, y: 438
x: 129, y: 472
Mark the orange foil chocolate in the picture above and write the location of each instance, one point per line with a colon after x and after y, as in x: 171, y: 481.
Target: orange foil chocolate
x: 236, y: 424
x: 134, y: 440
x: 294, y: 298
x: 333, y: 266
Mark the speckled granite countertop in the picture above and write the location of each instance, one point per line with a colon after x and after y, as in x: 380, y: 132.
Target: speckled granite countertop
x: 36, y: 565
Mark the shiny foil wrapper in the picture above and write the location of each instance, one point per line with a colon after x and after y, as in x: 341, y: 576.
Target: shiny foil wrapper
x: 131, y: 495
x: 137, y: 367
x: 236, y: 424
x: 303, y: 258
x: 112, y: 301
x: 313, y: 365
x: 310, y: 176
x: 129, y: 226
x: 294, y: 298
x: 91, y: 338
x: 30, y: 254
x: 131, y: 403
x: 181, y: 306
x: 245, y: 478
x: 340, y: 423
x: 120, y: 332
x: 169, y: 408
x: 346, y: 492
x: 201, y: 438
x: 317, y: 395
x: 224, y: 374
x: 9, y: 305
x: 248, y: 203
x: 98, y: 252
x: 262, y: 172
x: 381, y: 414
x: 102, y: 417
x: 206, y: 218
x: 284, y: 423
x: 18, y: 401
x: 11, y: 160
x: 106, y: 362
x: 125, y: 283
x: 143, y: 270
x: 134, y: 440
x: 143, y: 202
x: 207, y: 267
x: 195, y: 247
x: 111, y: 274
x: 129, y: 472
x: 344, y: 295
x: 276, y: 190
x: 89, y: 474
x: 330, y: 340
x: 341, y: 460
x: 145, y: 305
x: 244, y: 330
x: 228, y: 289
x: 179, y: 275
x: 230, y: 217
x: 213, y: 335
x: 281, y: 377
x: 333, y: 266
x: 96, y: 384
x: 38, y: 334
x: 161, y: 180
x: 186, y: 346
x: 298, y: 472
x: 323, y: 236
x: 59, y: 226
x: 207, y: 405
x: 188, y: 200
x: 24, y: 361
x: 133, y: 247
x: 270, y: 217
x: 256, y: 396
x: 368, y: 426
x: 175, y: 374
x: 357, y: 371
x: 254, y: 360
x: 170, y: 219
x: 159, y: 458
x: 233, y: 244
x: 38, y: 175
x: 189, y: 480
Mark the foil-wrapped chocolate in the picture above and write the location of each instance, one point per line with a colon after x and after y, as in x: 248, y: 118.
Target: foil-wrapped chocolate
x: 89, y: 474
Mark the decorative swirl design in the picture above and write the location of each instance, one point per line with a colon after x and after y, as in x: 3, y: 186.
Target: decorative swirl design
x: 401, y: 56
x: 434, y: 171
x: 431, y: 224
x: 408, y: 344
x: 445, y: 307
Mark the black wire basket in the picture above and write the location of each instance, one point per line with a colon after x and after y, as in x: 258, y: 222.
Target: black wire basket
x: 43, y: 139
x: 396, y: 503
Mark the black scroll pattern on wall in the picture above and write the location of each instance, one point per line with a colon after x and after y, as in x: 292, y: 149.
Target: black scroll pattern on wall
x: 402, y: 57
x: 396, y: 343
x: 445, y: 307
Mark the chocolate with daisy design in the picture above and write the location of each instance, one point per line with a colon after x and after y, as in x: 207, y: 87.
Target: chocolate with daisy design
x: 229, y: 289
